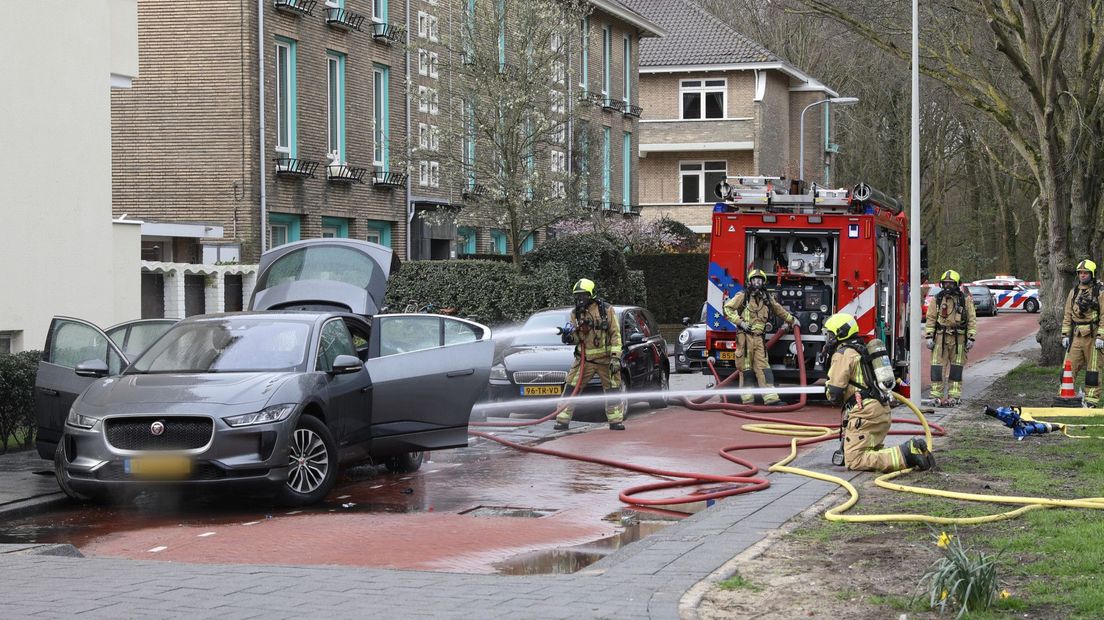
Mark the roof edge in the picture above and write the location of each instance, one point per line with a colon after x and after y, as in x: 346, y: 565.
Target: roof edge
x: 645, y: 25
x: 784, y: 67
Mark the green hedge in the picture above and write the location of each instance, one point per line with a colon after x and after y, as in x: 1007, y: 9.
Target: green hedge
x: 17, y: 416
x: 675, y: 283
x: 596, y: 257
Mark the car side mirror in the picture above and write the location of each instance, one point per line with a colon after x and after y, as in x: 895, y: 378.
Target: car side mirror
x: 347, y: 364
x: 636, y: 338
x: 686, y: 321
x: 91, y: 368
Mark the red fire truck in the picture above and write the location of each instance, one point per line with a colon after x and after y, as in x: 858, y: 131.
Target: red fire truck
x: 825, y: 251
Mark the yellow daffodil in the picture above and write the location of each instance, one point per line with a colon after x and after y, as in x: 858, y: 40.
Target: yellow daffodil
x: 944, y: 540
x: 943, y: 596
x: 1005, y: 594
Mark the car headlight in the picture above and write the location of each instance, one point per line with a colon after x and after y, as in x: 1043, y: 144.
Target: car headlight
x: 684, y: 337
x: 499, y: 373
x: 267, y: 415
x: 80, y: 420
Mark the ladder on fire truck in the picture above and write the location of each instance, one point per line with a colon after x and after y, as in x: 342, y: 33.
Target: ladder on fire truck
x: 751, y: 193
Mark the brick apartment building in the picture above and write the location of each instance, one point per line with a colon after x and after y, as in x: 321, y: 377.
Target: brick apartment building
x: 340, y: 133
x: 718, y: 104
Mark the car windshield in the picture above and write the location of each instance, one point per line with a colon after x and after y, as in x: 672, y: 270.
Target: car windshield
x: 334, y: 263
x: 540, y: 329
x: 228, y: 345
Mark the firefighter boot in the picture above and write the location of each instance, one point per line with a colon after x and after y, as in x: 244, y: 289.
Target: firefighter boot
x: 617, y: 426
x: 561, y: 426
x: 917, y: 455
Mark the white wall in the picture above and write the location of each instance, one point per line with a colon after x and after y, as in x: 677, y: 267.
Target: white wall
x: 58, y: 254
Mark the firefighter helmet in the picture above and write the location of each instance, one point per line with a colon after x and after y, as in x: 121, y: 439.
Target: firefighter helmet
x: 951, y: 275
x: 752, y: 275
x: 842, y: 326
x: 584, y: 286
x: 1087, y: 265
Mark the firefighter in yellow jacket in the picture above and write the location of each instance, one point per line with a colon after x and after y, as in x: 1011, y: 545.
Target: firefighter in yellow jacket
x: 950, y: 329
x: 866, y: 418
x: 594, y: 330
x: 1081, y: 337
x: 749, y: 310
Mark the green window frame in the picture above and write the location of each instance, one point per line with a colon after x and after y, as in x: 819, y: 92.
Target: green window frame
x: 528, y: 244
x: 607, y: 51
x: 498, y: 241
x: 340, y: 226
x: 380, y: 229
x: 335, y: 104
x: 626, y: 170
x: 286, y: 97
x: 289, y: 222
x: 605, y: 167
x: 584, y: 54
x: 379, y: 10
x: 466, y: 237
x: 628, y: 69
x: 381, y: 117
x: 501, y: 35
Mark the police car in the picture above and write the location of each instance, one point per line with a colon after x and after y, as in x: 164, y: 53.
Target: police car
x: 1012, y: 293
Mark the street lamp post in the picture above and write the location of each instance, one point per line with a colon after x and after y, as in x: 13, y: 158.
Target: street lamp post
x: 801, y: 129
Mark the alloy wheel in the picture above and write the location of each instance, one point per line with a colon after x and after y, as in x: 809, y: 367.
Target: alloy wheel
x: 308, y: 461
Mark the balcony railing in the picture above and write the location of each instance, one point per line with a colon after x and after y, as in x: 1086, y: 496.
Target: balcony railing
x: 632, y: 111
x: 387, y: 33
x: 343, y: 173
x: 343, y: 18
x: 474, y: 190
x: 612, y: 105
x: 299, y: 7
x: 291, y: 167
x: 381, y: 178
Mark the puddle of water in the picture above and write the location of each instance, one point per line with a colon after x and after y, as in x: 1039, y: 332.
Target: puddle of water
x: 572, y: 559
x: 507, y: 511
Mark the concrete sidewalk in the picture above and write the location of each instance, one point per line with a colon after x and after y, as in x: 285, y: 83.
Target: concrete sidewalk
x: 646, y: 579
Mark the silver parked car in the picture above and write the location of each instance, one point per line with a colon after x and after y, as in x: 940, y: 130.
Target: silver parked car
x: 276, y: 398
x: 690, y: 346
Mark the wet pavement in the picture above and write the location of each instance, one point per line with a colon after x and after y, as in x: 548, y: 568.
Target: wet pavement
x: 484, y: 509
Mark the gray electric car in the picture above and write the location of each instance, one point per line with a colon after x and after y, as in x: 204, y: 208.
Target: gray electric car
x: 277, y: 398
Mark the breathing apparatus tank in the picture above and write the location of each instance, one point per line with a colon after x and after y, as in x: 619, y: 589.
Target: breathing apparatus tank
x: 883, y: 369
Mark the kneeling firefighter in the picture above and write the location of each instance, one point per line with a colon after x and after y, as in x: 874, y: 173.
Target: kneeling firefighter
x: 1081, y: 337
x: 594, y: 331
x: 860, y: 379
x: 749, y: 310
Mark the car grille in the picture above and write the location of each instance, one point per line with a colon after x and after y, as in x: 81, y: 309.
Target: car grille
x: 112, y: 472
x: 181, y: 433
x: 696, y: 350
x: 540, y: 376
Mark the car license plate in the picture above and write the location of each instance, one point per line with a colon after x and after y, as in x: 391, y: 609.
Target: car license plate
x: 158, y: 466
x: 726, y: 355
x: 541, y: 390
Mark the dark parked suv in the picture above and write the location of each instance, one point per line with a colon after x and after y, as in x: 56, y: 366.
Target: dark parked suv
x: 534, y: 365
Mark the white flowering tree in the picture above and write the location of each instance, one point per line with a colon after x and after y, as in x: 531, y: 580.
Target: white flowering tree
x: 516, y: 146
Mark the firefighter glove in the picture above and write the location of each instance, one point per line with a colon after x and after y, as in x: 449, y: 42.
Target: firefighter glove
x: 743, y: 325
x: 931, y: 344
x: 969, y: 343
x: 1065, y: 342
x: 1100, y: 343
x: 615, y: 365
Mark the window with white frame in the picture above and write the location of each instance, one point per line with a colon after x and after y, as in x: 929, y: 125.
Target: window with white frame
x: 560, y: 134
x: 433, y: 100
x: 433, y: 140
x: 433, y: 62
x: 584, y: 56
x: 698, y: 178
x: 434, y: 174
x: 380, y: 117
x: 285, y: 96
x: 558, y: 101
x: 423, y: 62
x: 277, y: 235
x: 702, y: 98
x: 431, y: 28
x: 559, y: 161
x: 556, y: 46
x: 374, y: 235
x: 423, y: 136
x: 423, y: 99
x: 379, y: 10
x: 423, y: 173
x: 335, y: 109
x: 423, y: 24
x: 607, y: 51
x: 627, y: 90
x: 6, y: 342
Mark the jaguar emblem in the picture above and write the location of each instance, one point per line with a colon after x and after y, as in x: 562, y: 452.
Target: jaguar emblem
x: 157, y: 428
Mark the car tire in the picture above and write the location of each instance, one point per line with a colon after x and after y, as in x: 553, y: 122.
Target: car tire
x: 404, y: 463
x: 1031, y: 306
x: 62, y: 475
x: 312, y: 463
x: 664, y: 384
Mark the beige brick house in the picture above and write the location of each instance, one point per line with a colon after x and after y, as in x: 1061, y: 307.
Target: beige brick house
x: 716, y: 104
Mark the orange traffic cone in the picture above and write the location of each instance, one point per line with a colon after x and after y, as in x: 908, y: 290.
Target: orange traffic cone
x: 1067, y: 396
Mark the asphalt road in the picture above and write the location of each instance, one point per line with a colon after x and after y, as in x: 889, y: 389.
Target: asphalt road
x: 483, y: 509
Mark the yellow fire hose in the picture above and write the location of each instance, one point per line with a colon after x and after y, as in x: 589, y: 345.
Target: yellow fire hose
x: 836, y: 513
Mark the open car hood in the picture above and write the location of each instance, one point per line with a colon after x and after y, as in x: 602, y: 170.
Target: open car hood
x: 345, y: 275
